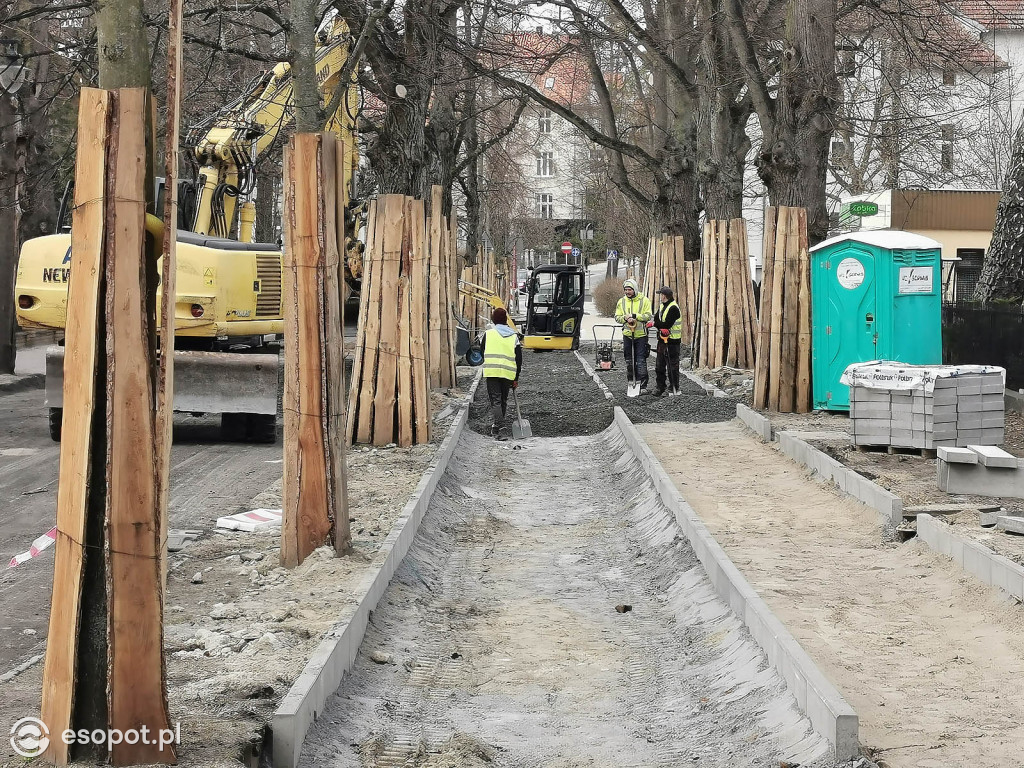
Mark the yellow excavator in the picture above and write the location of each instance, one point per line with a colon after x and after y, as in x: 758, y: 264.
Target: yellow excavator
x: 228, y: 314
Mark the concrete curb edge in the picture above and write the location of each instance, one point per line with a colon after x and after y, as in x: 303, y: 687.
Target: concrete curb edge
x: 710, y: 389
x: 594, y: 375
x: 816, y: 696
x: 987, y: 566
x: 888, y: 505
x: 336, y: 653
x: 758, y: 424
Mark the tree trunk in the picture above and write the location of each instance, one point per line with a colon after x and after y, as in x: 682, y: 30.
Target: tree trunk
x: 9, y: 225
x: 1002, y: 276
x: 725, y: 142
x: 309, y: 116
x: 122, y: 45
x: 793, y: 162
x: 266, y: 201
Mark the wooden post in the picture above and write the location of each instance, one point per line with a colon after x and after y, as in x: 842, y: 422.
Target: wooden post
x: 436, y: 287
x: 782, y: 376
x: 104, y: 664
x: 314, y: 488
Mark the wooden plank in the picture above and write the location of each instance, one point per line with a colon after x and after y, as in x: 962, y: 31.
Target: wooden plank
x: 803, y: 339
x: 761, y: 356
x: 436, y: 288
x: 136, y: 684
x: 704, y: 299
x: 453, y: 290
x: 743, y: 292
x: 80, y: 364
x: 385, y: 398
x: 355, y: 408
x: 404, y: 319
x: 371, y: 351
x: 787, y: 387
x: 734, y: 320
x: 333, y: 380
x: 721, y: 328
x: 419, y: 327
x: 168, y: 271
x: 306, y: 522
x: 778, y: 282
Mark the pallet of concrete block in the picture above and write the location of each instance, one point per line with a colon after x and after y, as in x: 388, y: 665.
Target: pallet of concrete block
x: 925, y: 406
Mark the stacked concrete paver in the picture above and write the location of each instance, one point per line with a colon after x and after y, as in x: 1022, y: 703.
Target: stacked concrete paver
x: 950, y: 406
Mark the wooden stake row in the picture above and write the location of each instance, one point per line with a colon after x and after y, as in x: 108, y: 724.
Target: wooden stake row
x: 442, y: 288
x: 314, y: 495
x: 666, y: 265
x: 782, y: 376
x: 483, y: 273
x: 726, y: 324
x: 104, y: 659
x: 405, y: 340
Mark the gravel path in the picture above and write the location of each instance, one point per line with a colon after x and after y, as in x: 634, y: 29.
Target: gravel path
x: 556, y: 396
x: 693, y: 405
x: 499, y: 643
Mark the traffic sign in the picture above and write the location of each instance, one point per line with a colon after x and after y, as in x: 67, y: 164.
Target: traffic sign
x: 566, y: 247
x: 613, y: 254
x: 576, y: 252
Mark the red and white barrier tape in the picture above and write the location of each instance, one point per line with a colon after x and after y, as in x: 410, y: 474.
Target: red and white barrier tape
x: 38, y: 546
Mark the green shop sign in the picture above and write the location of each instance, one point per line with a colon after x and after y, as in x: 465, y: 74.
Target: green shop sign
x: 863, y: 209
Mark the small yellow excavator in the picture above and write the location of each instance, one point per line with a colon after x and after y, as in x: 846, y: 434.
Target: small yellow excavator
x: 228, y: 306
x: 554, y: 312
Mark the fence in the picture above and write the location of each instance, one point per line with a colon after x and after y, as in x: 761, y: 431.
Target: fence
x: 985, y: 335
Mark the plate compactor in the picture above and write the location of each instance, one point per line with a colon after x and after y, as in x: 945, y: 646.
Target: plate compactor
x: 604, y: 360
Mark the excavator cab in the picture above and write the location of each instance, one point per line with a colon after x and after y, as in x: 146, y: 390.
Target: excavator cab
x: 554, y: 310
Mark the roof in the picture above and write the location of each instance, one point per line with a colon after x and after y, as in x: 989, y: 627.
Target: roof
x: 926, y: 32
x: 883, y: 238
x: 553, y: 64
x: 992, y: 14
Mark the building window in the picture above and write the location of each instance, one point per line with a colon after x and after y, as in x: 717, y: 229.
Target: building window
x: 544, y: 121
x: 549, y: 83
x: 948, y: 75
x: 546, y: 206
x: 947, y: 147
x: 545, y: 164
x: 840, y: 156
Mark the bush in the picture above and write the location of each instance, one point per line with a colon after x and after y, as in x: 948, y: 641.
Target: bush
x: 607, y: 295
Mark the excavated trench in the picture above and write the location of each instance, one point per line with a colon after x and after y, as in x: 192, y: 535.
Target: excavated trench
x: 550, y: 613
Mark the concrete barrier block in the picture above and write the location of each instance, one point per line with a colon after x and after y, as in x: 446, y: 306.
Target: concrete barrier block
x: 977, y: 561
x: 992, y: 456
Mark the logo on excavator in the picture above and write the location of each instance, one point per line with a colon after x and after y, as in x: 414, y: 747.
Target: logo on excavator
x: 67, y: 256
x: 56, y: 275
x: 321, y: 77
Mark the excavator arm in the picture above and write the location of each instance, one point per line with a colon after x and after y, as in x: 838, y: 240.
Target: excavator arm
x: 229, y: 144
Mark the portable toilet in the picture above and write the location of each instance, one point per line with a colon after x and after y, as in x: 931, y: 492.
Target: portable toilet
x: 875, y: 295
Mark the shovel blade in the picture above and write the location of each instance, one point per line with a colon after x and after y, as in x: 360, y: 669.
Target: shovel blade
x: 633, y: 390
x: 521, y: 429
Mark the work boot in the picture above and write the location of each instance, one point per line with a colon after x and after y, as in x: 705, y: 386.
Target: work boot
x: 495, y: 430
x: 660, y: 392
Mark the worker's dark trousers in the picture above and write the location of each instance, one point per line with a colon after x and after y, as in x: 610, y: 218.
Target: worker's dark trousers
x: 638, y: 350
x: 497, y: 392
x: 667, y: 361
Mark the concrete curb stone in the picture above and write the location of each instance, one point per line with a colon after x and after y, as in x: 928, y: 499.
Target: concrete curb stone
x: 823, y: 704
x: 336, y: 654
x: 977, y: 559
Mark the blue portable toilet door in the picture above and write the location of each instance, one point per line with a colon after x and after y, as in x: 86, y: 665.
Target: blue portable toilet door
x: 851, y: 325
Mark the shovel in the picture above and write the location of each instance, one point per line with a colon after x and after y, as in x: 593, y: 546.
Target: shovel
x: 633, y: 386
x: 520, y: 427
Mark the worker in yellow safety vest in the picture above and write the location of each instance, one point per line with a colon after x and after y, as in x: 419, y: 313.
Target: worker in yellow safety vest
x: 503, y: 362
x: 633, y: 312
x: 669, y: 322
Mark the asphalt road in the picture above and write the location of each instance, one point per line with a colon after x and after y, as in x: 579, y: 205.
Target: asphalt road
x: 209, y: 479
